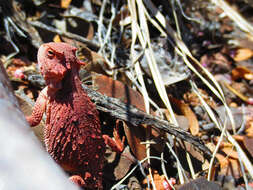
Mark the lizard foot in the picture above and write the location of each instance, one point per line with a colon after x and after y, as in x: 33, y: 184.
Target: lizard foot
x: 78, y: 180
x: 116, y: 145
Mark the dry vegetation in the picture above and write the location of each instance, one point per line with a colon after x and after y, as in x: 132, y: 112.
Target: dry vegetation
x: 188, y: 63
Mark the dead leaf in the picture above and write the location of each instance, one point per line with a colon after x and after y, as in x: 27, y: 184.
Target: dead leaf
x: 211, y: 146
x: 238, y: 138
x: 57, y: 38
x: 192, y: 99
x: 192, y: 150
x: 122, y: 16
x: 237, y: 115
x: 90, y: 33
x: 229, y: 165
x: 249, y: 130
x: 85, y: 54
x: 248, y: 143
x: 21, y: 62
x: 242, y: 72
x: 181, y: 119
x: 123, y: 164
x: 95, y: 62
x: 224, y: 163
x: 189, y: 114
x: 159, y: 180
x: 234, y: 168
x: 135, y: 135
x: 230, y: 152
x: 65, y: 3
x: 243, y: 54
x: 216, y: 62
x: 200, y: 184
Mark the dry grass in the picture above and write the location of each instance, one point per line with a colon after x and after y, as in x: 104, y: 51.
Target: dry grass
x: 142, y: 13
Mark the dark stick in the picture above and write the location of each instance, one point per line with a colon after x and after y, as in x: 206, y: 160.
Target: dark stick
x: 129, y: 113
x: 66, y: 34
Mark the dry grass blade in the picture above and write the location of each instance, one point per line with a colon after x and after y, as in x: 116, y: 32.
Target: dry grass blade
x: 235, y: 16
x: 151, y: 33
x: 182, y: 50
x: 144, y: 37
x: 214, y: 119
x: 247, y: 163
x: 134, y: 168
x: 66, y: 34
x: 241, y: 153
x: 179, y: 36
x: 243, y: 173
x: 104, y: 37
x: 146, y: 45
x: 139, y: 75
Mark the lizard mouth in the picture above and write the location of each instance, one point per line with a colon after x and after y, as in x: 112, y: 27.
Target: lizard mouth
x: 54, y: 85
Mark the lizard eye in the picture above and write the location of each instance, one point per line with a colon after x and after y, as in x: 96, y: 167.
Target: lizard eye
x: 50, y: 54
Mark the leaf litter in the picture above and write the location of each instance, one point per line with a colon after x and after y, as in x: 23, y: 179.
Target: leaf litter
x: 171, y: 59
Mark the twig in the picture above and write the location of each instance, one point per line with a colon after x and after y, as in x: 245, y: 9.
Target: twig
x: 136, y: 117
x: 6, y: 26
x: 100, y: 22
x: 38, y: 24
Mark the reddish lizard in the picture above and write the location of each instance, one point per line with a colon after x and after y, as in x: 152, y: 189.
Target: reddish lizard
x: 72, y: 133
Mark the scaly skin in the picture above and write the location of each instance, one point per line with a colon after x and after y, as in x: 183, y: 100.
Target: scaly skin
x: 72, y: 133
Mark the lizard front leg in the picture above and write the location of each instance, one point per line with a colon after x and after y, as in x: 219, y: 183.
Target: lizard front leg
x: 38, y: 109
x: 116, y: 145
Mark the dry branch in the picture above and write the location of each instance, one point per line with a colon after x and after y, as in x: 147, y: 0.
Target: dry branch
x: 129, y: 113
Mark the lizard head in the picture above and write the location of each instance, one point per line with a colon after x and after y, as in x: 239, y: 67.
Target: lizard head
x: 55, y: 60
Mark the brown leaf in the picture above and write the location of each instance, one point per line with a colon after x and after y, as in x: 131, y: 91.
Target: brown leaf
x: 57, y: 38
x: 224, y: 163
x: 201, y: 184
x: 249, y: 130
x: 234, y: 168
x: 189, y: 114
x: 90, y: 33
x: 248, y: 143
x: 121, y: 166
x: 242, y: 72
x: 159, y: 180
x: 237, y: 115
x: 192, y: 150
x: 243, y: 54
x: 135, y: 135
x: 21, y: 62
x: 230, y: 152
x: 238, y: 138
x: 65, y: 3
x: 121, y: 16
x: 229, y: 166
x: 216, y: 63
x: 95, y: 62
x: 181, y: 119
x: 192, y: 99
